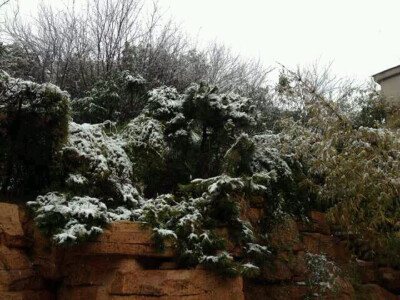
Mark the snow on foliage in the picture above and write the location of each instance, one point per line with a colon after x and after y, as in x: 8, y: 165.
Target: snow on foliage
x: 143, y: 140
x: 215, y: 185
x: 249, y: 270
x: 165, y: 233
x: 33, y: 125
x: 163, y: 139
x: 69, y: 220
x: 146, y: 133
x: 119, y: 98
x: 100, y: 158
x: 15, y: 91
x: 75, y: 232
x: 76, y: 179
x: 184, y: 219
x: 323, y: 273
x: 256, y: 249
x: 267, y: 156
x: 108, y: 168
x: 84, y: 107
x: 163, y: 103
x: 205, y: 100
x: 99, y: 179
x: 133, y: 80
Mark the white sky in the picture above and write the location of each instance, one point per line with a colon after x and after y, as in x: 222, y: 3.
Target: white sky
x: 360, y: 37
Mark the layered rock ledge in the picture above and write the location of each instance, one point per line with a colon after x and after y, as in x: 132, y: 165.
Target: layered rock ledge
x: 122, y: 264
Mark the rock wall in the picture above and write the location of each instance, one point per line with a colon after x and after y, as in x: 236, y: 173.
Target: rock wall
x: 19, y: 279
x: 120, y: 264
x: 123, y: 265
x: 289, y: 276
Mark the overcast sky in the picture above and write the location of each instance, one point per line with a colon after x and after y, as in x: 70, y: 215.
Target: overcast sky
x: 360, y: 37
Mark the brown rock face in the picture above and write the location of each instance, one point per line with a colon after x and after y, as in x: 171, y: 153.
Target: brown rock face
x: 46, y: 258
x: 198, y: 284
x: 279, y: 270
x: 274, y: 291
x: 82, y: 292
x: 96, y: 270
x: 299, y: 267
x: 123, y: 238
x: 374, y: 292
x: 123, y: 265
x: 344, y: 290
x: 11, y: 233
x: 169, y: 265
x: 317, y: 243
x: 18, y: 278
x: 390, y: 279
x: 109, y: 269
x: 367, y: 271
x: 26, y: 295
x: 317, y: 224
x: 285, y: 236
x: 13, y: 259
x: 16, y: 272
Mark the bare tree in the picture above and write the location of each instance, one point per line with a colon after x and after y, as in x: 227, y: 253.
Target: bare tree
x: 230, y: 71
x: 78, y: 46
x: 4, y: 2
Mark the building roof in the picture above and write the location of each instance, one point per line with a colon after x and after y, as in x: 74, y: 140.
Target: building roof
x: 381, y: 76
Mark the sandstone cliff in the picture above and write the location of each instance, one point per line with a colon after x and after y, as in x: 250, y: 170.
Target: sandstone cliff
x: 123, y: 265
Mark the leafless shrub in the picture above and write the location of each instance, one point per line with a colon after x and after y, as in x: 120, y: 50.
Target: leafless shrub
x: 77, y: 46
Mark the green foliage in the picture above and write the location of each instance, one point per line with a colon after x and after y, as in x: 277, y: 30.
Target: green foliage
x: 388, y: 252
x: 69, y: 221
x: 118, y: 167
x: 33, y: 126
x: 354, y: 171
x: 180, y: 137
x: 164, y: 103
x: 144, y: 143
x: 185, y: 165
x: 191, y: 224
x: 209, y: 124
x: 374, y: 111
x: 119, y: 98
x: 96, y: 164
x: 18, y: 61
x: 323, y: 272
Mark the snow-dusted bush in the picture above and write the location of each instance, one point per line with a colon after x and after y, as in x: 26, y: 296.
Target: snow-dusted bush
x: 109, y: 169
x: 87, y: 110
x: 143, y: 140
x: 144, y: 132
x: 33, y: 126
x: 163, y: 103
x: 98, y: 186
x: 119, y: 98
x: 69, y: 221
x: 323, y: 275
x: 203, y: 102
x: 201, y: 126
x: 353, y: 170
x: 97, y: 163
x: 190, y: 222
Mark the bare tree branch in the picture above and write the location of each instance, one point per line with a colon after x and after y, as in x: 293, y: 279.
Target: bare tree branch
x: 4, y: 2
